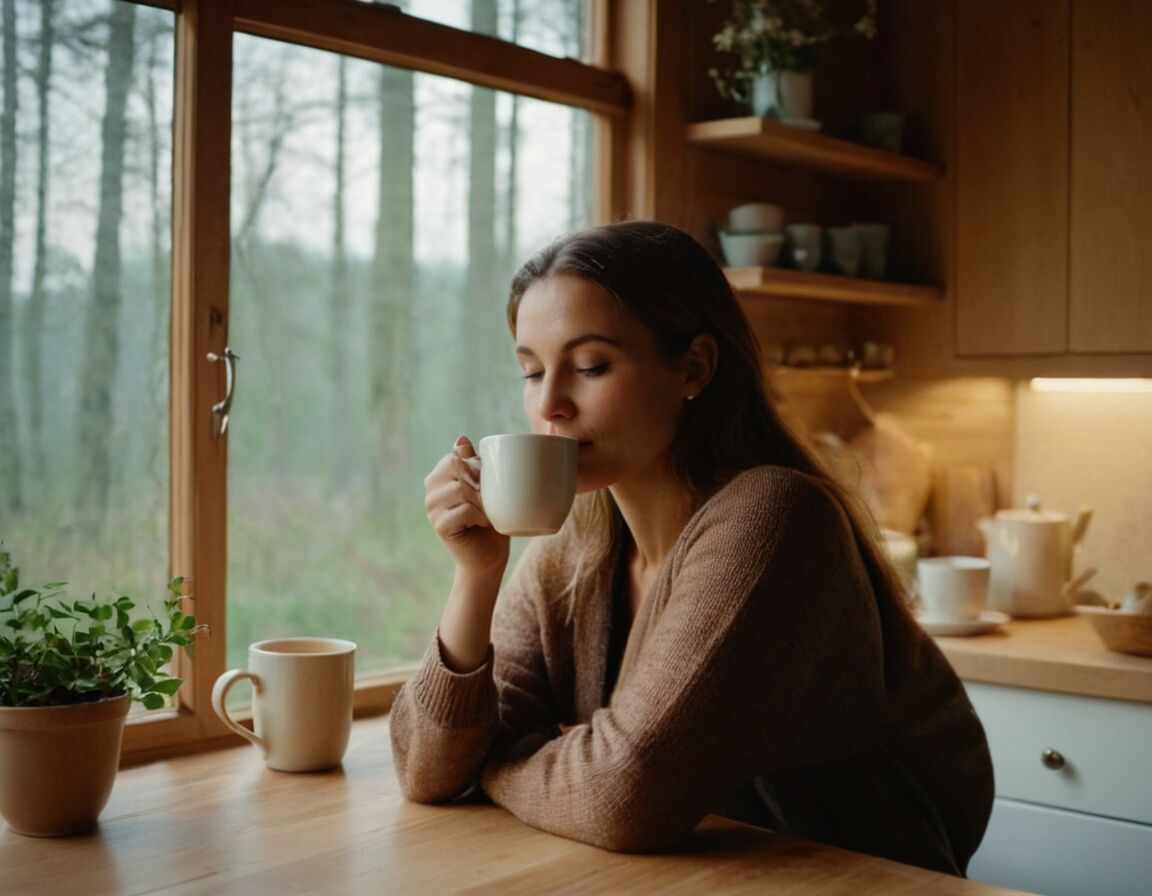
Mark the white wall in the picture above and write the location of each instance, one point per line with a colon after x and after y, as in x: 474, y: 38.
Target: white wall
x: 1095, y: 449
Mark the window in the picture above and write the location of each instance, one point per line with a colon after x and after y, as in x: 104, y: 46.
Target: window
x: 377, y: 218
x: 214, y: 174
x: 85, y: 294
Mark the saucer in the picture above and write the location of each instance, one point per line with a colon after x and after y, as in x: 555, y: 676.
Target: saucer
x: 985, y: 622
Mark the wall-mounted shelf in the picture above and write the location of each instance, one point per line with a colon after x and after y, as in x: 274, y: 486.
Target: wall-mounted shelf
x: 786, y: 283
x: 765, y: 139
x: 860, y: 375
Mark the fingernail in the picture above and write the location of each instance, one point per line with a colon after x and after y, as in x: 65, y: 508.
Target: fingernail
x: 463, y: 440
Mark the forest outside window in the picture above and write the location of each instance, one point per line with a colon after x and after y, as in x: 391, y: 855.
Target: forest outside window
x: 377, y: 213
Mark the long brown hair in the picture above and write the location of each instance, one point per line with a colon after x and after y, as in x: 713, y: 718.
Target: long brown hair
x: 669, y: 282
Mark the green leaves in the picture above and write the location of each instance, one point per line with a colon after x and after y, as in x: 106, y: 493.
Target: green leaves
x: 56, y: 651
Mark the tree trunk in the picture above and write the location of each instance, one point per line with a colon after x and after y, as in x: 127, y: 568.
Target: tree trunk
x: 338, y: 305
x: 512, y: 193
x: 33, y: 330
x: 101, y: 324
x: 482, y: 336
x: 11, y: 483
x: 159, y: 288
x: 394, y: 276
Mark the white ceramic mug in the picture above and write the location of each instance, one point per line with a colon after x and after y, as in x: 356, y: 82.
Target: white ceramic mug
x: 807, y: 244
x: 952, y: 589
x: 527, y: 481
x: 301, y: 701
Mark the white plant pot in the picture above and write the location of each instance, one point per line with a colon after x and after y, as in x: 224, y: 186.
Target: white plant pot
x: 783, y: 94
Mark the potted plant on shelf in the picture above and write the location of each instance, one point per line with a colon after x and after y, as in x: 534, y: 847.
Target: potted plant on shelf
x: 775, y: 44
x: 68, y: 671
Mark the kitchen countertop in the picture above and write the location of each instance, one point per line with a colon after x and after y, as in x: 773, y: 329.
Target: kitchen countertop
x: 1062, y: 654
x: 222, y: 823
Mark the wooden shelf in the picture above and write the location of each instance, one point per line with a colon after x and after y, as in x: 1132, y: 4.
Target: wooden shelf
x: 786, y: 283
x: 766, y: 139
x: 859, y: 374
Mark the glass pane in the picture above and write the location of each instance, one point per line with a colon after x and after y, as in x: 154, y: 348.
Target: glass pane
x: 84, y: 303
x: 377, y: 218
x: 555, y: 27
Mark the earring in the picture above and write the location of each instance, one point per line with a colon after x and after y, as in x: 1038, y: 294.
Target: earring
x: 689, y: 397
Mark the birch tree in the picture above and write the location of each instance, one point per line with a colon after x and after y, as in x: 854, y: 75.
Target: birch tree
x: 101, y: 348
x: 10, y: 478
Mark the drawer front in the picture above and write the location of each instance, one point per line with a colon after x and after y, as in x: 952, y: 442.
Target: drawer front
x: 1059, y: 853
x: 1104, y: 745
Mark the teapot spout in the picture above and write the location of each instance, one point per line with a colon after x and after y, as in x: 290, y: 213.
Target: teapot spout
x: 1083, y: 518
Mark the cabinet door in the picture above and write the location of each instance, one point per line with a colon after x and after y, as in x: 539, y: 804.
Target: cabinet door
x: 1110, y: 299
x: 1058, y: 853
x: 1012, y: 177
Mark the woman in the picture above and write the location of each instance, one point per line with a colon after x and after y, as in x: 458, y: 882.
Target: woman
x: 714, y: 629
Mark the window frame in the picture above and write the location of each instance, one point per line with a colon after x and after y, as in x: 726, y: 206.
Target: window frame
x: 201, y: 249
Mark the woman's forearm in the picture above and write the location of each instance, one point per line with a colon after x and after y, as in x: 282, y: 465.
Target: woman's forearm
x: 466, y: 624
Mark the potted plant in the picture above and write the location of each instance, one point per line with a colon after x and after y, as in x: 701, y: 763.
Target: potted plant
x: 68, y: 671
x: 775, y: 43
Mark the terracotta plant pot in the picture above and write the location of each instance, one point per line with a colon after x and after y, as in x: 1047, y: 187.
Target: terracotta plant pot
x: 58, y: 764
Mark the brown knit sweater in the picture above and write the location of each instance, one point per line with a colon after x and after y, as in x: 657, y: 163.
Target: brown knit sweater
x: 768, y: 676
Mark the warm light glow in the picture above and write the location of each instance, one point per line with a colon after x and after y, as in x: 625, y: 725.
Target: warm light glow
x: 1064, y: 384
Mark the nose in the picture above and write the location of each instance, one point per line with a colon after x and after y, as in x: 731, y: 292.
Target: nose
x: 554, y: 401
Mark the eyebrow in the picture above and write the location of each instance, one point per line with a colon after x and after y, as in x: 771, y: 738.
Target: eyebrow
x: 575, y: 342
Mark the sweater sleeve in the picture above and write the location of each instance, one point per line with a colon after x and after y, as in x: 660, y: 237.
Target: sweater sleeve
x: 443, y: 723
x: 764, y: 655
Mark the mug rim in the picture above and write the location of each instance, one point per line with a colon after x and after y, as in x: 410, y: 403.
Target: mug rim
x: 335, y: 646
x: 520, y: 436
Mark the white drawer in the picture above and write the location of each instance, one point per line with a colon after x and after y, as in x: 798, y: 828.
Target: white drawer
x: 1104, y: 743
x: 1058, y: 853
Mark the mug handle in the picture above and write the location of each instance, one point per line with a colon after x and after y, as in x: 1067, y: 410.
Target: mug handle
x: 220, y: 694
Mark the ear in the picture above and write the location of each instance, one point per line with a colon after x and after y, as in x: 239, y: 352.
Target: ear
x: 699, y: 364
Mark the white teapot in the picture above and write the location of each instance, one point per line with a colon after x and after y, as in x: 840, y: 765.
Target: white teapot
x: 1031, y: 554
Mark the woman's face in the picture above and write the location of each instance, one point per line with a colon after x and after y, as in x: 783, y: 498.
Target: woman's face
x: 592, y: 372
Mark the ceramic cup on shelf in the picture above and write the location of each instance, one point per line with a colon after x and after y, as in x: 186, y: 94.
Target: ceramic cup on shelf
x: 952, y: 589
x: 874, y: 239
x: 301, y: 701
x: 527, y: 481
x: 844, y: 249
x: 805, y: 245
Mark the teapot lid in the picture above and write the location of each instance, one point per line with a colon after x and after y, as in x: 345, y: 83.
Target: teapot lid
x: 1032, y: 513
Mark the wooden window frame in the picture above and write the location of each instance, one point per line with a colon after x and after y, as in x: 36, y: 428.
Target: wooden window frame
x: 201, y: 248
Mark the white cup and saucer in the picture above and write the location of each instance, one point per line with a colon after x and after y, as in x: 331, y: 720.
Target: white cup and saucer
x: 953, y: 596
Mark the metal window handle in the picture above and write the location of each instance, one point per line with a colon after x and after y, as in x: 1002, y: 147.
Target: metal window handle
x: 221, y: 409
x: 1052, y: 759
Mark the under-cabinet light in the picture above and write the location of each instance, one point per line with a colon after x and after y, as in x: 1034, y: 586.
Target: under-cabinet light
x: 1090, y: 384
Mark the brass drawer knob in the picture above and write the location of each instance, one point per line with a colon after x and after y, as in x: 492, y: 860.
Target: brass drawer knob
x: 1053, y: 759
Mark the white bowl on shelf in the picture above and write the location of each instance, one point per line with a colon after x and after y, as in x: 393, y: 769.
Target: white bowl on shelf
x: 756, y: 217
x: 743, y: 250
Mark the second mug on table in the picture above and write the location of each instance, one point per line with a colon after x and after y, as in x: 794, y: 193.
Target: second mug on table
x: 527, y: 481
x: 301, y: 701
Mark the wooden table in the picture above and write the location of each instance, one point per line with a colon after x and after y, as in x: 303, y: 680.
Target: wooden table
x: 222, y: 823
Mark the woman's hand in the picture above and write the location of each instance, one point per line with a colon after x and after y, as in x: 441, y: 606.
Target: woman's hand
x: 452, y: 500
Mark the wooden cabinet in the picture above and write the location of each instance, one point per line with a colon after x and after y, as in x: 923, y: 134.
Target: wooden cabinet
x: 1079, y: 822
x: 1053, y: 182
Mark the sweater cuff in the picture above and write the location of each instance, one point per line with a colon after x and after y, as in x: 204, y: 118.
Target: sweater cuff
x: 452, y: 699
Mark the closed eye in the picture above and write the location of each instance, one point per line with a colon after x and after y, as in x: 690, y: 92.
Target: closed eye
x: 593, y: 371
x: 533, y: 374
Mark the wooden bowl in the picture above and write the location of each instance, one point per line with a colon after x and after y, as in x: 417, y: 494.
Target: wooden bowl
x: 1120, y: 631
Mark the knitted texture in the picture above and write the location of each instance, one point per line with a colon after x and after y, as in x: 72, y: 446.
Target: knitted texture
x: 768, y: 675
